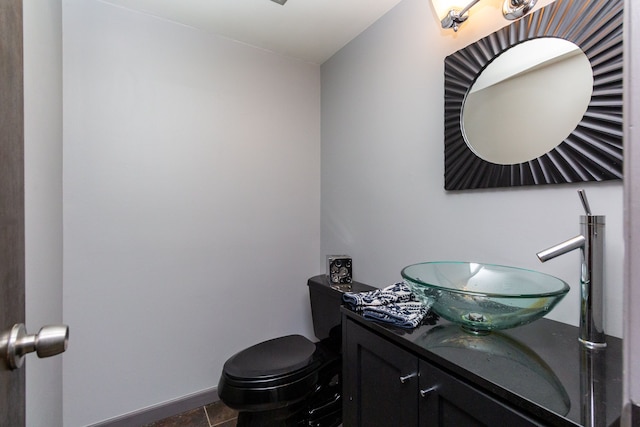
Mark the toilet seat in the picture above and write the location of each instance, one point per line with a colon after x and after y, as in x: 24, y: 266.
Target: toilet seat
x: 271, y: 374
x: 271, y: 359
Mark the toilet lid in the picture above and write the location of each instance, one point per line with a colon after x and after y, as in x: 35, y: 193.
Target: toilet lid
x: 272, y: 358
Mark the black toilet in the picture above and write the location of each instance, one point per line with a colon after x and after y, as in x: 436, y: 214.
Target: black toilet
x: 291, y: 381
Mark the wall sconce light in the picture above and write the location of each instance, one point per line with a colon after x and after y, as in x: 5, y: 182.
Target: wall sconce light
x: 452, y: 13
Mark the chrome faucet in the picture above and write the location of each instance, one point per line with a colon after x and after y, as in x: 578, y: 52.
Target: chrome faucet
x: 591, y: 244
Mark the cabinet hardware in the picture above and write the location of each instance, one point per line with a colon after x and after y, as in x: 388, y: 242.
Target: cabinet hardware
x: 427, y: 391
x: 408, y: 377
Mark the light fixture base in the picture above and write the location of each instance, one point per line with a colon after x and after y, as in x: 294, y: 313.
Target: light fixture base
x: 453, y: 20
x: 516, y: 9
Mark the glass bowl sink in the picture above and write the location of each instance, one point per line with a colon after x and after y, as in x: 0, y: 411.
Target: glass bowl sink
x: 484, y: 297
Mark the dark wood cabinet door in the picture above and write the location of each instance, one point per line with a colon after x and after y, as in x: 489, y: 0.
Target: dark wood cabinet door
x: 380, y: 381
x: 449, y: 402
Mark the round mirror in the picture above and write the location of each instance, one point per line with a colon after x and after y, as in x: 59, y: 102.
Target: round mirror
x: 527, y: 101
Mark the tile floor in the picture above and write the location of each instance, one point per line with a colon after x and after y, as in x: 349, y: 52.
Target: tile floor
x: 213, y: 415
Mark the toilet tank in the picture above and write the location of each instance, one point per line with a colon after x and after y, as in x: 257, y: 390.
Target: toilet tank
x: 326, y: 299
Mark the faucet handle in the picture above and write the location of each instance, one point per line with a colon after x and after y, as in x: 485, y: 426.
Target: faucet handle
x: 585, y: 202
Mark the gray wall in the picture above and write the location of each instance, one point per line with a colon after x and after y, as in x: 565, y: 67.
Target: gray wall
x: 383, y: 200
x: 43, y: 200
x: 191, y: 205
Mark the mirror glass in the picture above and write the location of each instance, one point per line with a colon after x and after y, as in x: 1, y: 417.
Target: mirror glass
x: 527, y: 101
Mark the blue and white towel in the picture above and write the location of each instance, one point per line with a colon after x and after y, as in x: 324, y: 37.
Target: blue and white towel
x: 403, y: 314
x: 398, y: 292
x: 395, y: 305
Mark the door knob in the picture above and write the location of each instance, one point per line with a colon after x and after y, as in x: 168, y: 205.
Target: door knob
x: 16, y: 343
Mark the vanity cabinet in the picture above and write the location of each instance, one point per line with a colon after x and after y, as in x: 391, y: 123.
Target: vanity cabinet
x: 386, y: 385
x: 380, y: 381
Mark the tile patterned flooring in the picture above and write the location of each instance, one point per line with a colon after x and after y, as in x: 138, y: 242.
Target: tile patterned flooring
x: 213, y: 415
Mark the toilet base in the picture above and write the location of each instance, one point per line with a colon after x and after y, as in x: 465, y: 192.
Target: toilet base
x: 316, y: 412
x: 292, y: 416
x: 323, y: 408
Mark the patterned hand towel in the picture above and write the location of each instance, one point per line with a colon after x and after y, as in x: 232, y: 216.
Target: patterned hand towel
x: 398, y: 292
x: 395, y: 305
x: 404, y: 314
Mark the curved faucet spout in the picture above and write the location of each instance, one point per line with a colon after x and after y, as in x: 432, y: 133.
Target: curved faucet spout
x: 561, y: 248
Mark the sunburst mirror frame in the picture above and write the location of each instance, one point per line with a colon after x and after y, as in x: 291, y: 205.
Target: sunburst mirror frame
x: 593, y: 151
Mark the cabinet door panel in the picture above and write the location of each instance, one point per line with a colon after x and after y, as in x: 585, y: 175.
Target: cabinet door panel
x: 375, y: 395
x: 454, y: 403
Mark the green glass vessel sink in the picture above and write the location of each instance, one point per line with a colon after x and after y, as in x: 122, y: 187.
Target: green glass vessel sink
x: 484, y: 297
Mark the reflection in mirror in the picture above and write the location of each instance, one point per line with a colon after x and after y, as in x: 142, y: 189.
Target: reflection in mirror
x: 527, y: 101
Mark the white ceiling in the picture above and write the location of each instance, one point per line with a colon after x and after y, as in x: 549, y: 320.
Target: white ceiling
x: 311, y: 30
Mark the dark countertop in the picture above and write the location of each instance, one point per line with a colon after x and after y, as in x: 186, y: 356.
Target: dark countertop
x: 540, y: 367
